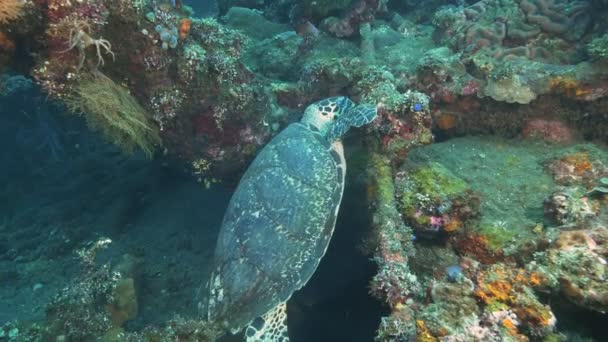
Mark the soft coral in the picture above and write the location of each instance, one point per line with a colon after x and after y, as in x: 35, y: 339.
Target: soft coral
x: 10, y: 10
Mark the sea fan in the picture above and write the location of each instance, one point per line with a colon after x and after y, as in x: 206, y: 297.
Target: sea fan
x: 10, y: 10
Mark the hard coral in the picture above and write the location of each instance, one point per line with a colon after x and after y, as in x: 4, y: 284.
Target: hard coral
x: 570, y: 87
x: 359, y: 12
x: 477, y: 247
x: 576, y: 266
x: 578, y: 168
x: 569, y: 19
x: 547, y: 129
x: 568, y: 208
x: 501, y: 286
x: 434, y: 200
x: 505, y: 30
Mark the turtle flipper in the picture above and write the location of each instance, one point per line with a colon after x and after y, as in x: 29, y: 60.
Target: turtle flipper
x: 271, y: 327
x: 357, y: 117
x: 362, y: 114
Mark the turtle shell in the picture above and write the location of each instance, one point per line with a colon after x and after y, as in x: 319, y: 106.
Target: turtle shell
x: 277, y: 226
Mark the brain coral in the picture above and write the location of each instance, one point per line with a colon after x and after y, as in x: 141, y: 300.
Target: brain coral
x: 541, y: 30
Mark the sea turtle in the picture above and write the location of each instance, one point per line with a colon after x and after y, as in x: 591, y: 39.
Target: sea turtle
x: 280, y: 219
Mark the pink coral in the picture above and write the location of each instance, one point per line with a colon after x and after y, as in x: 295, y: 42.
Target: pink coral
x: 549, y: 130
x: 470, y: 88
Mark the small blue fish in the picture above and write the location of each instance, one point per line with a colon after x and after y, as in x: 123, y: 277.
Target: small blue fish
x: 417, y: 107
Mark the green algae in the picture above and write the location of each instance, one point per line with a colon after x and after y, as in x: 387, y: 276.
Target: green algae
x: 431, y: 181
x: 498, y: 234
x: 599, y: 47
x: 384, y: 180
x: 509, y: 175
x: 435, y: 178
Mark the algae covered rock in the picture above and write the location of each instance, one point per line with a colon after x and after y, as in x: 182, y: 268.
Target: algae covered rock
x: 575, y: 266
x: 434, y: 200
x: 283, y: 50
x: 253, y: 23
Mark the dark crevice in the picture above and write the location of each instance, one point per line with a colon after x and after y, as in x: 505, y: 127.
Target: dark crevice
x: 335, y: 304
x: 577, y: 322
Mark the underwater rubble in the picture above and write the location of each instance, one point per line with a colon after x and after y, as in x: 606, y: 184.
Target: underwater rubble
x: 485, y: 172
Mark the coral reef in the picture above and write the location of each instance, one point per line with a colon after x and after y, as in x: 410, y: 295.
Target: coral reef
x: 549, y: 130
x: 433, y: 200
x: 97, y: 305
x: 500, y: 228
x: 580, y: 167
x: 359, y: 11
x: 575, y: 266
x: 599, y: 47
x: 394, y: 283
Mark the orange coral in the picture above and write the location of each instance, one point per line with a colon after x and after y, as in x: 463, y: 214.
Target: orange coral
x: 569, y: 86
x: 446, y: 121
x: 476, y: 246
x: 504, y: 284
x: 496, y: 290
x: 536, y: 279
x: 504, y: 288
x: 535, y: 315
x: 580, y: 161
x: 184, y: 28
x: 422, y: 332
x: 6, y: 44
x: 10, y: 10
x: 510, y: 326
x: 7, y: 47
x: 452, y: 225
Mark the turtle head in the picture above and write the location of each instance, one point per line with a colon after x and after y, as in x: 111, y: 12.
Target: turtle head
x: 335, y: 115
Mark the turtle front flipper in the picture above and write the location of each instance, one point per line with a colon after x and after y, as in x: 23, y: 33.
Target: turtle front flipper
x: 362, y: 115
x: 271, y: 327
x: 353, y: 117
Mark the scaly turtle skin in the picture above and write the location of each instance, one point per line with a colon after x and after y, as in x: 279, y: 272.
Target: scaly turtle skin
x: 280, y: 220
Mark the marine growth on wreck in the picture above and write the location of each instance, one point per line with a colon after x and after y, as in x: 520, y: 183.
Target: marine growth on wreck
x: 182, y: 171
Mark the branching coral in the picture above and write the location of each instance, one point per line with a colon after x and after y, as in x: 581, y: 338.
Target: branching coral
x: 111, y: 109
